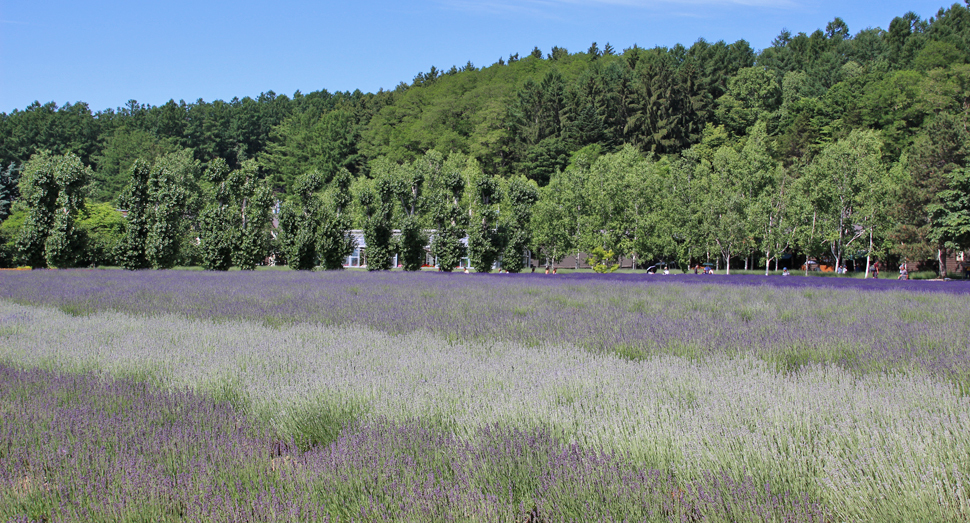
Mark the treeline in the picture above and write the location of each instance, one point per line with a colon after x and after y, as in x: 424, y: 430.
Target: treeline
x: 683, y: 153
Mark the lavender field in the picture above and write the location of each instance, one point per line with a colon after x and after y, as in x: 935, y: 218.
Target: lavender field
x: 290, y: 397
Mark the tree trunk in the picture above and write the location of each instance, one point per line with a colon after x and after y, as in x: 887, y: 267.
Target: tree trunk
x: 810, y: 238
x: 941, y: 256
x: 836, y: 251
x: 868, y: 254
x: 768, y: 262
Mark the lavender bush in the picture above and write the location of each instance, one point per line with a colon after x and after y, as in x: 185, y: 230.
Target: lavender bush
x: 864, y: 446
x: 789, y: 322
x: 80, y: 447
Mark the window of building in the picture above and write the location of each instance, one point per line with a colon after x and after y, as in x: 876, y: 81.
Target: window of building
x: 354, y: 259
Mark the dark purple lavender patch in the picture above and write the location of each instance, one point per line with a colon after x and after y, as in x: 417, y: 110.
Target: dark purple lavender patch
x: 795, y: 282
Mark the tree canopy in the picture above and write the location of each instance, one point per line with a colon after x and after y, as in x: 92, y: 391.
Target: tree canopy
x: 632, y: 151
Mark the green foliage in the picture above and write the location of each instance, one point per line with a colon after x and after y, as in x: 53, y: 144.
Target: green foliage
x: 156, y: 200
x: 938, y: 54
x: 449, y: 219
x: 601, y: 260
x: 9, y: 234
x: 543, y: 160
x: 38, y: 191
x: 378, y: 205
x: 951, y: 216
x: 411, y: 244
x: 253, y: 234
x: 553, y: 220
x: 63, y: 243
x: 519, y: 197
x: 298, y: 223
x: 309, y: 142
x: 849, y: 185
x: 668, y: 107
x: 447, y: 248
x: 485, y: 239
x: 216, y: 238
x: 320, y: 422
x: 548, y: 118
x: 297, y: 236
x: 120, y: 151
x: 408, y: 182
x: 233, y: 225
x: 334, y: 243
x: 313, y: 229
x: 8, y: 189
x: 752, y: 95
x: 51, y: 194
x: 101, y: 226
x: 70, y: 129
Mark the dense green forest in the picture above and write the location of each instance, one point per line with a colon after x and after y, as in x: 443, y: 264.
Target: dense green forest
x: 849, y: 146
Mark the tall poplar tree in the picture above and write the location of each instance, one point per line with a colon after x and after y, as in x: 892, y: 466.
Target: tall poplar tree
x: 516, y: 219
x: 51, y: 192
x: 485, y: 241
x: 449, y: 218
x: 409, y: 188
x: 157, y: 200
x: 378, y: 205
x: 232, y: 226
x: 298, y: 223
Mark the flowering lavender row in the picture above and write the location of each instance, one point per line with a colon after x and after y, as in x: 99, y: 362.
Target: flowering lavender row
x: 862, y: 445
x: 786, y: 321
x: 79, y: 447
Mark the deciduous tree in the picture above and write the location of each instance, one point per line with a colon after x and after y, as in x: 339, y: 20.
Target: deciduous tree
x: 157, y: 201
x: 51, y: 193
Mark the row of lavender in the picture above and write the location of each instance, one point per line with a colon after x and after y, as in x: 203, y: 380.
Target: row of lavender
x: 85, y: 448
x: 914, y: 326
x: 869, y: 446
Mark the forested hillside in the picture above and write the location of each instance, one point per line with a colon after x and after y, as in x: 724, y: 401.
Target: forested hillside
x: 851, y: 146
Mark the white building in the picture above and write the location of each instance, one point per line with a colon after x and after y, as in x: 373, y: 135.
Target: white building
x: 358, y: 258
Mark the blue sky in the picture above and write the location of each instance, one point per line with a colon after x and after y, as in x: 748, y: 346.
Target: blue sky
x: 105, y: 52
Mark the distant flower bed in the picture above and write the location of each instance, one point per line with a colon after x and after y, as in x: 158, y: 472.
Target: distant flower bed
x: 787, y: 321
